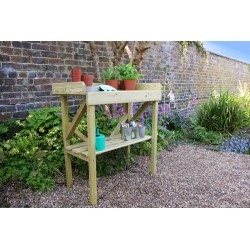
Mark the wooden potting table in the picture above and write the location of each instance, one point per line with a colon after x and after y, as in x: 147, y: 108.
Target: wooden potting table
x: 86, y: 150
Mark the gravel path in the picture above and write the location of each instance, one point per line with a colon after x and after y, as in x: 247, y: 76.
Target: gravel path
x: 187, y: 176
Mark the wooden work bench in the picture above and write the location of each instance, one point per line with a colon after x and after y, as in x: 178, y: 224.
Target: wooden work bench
x: 86, y: 150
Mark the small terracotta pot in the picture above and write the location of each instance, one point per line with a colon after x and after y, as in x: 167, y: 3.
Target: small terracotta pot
x: 113, y: 83
x: 76, y: 74
x: 129, y: 84
x: 122, y: 85
x: 87, y: 79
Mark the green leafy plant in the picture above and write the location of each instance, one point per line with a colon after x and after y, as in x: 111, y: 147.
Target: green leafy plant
x: 222, y: 113
x: 111, y: 73
x: 8, y: 128
x: 35, y: 154
x: 197, y: 44
x: 128, y: 72
x: 201, y: 134
x: 43, y: 119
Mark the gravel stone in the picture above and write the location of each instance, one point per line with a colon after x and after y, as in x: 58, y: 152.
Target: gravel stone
x: 187, y: 176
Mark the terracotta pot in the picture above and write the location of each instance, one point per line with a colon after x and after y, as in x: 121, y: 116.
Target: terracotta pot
x: 87, y: 79
x: 129, y: 84
x: 113, y: 83
x: 122, y: 85
x: 76, y: 74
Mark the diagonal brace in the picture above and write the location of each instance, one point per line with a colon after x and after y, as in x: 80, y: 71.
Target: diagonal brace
x: 122, y: 119
x: 80, y: 135
x: 141, y: 110
x: 71, y: 129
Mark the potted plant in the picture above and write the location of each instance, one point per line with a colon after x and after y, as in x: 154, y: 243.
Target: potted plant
x: 87, y: 79
x: 111, y: 76
x: 129, y: 74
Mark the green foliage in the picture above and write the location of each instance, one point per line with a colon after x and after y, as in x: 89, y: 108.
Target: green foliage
x: 201, y: 134
x: 32, y: 158
x: 42, y: 120
x: 106, y: 123
x: 111, y: 73
x: 128, y: 72
x: 35, y: 155
x: 244, y: 99
x: 197, y: 44
x: 222, y: 113
x: 176, y: 120
x: 8, y: 128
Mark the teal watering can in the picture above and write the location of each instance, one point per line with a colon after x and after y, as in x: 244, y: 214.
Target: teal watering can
x: 99, y: 140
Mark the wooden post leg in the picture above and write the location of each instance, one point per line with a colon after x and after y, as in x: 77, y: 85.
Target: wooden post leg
x: 65, y: 125
x: 92, y: 154
x: 129, y: 112
x: 154, y: 137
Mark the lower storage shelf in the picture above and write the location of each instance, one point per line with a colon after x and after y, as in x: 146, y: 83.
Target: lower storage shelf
x: 80, y: 150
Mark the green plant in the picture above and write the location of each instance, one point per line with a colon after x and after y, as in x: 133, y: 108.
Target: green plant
x: 35, y: 155
x: 128, y: 72
x: 43, y: 119
x: 222, y: 113
x: 33, y: 158
x: 197, y: 44
x: 201, y: 134
x: 111, y: 73
x: 8, y: 128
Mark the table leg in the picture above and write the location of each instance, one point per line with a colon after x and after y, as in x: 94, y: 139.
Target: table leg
x: 129, y: 112
x: 92, y: 154
x: 65, y: 125
x: 154, y: 137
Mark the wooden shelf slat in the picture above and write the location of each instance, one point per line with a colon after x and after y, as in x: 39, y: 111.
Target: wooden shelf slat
x: 111, y: 144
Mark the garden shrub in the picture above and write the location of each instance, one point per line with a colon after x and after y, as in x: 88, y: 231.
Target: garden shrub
x: 222, y: 113
x: 8, y: 128
x: 35, y: 155
x: 201, y: 134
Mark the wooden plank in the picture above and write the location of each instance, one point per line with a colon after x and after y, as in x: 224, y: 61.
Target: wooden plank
x: 92, y: 154
x: 80, y: 135
x: 85, y: 147
x: 148, y: 86
x: 82, y: 144
x: 105, y: 97
x: 78, y: 116
x: 154, y: 137
x: 65, y: 124
x: 80, y: 156
x: 122, y: 119
x: 141, y: 110
x: 129, y: 108
x: 110, y: 145
x: 122, y: 144
x: 77, y: 145
x: 69, y: 88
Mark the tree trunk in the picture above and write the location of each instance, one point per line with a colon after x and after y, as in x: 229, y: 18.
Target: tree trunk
x: 118, y: 48
x: 93, y: 50
x: 108, y: 52
x: 140, y: 49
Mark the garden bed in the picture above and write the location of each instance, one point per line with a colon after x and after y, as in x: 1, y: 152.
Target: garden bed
x: 187, y: 176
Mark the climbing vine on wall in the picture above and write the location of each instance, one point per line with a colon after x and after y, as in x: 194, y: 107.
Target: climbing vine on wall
x: 198, y: 45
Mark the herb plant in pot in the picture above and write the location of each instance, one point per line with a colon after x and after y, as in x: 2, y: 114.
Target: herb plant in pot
x: 129, y: 74
x: 111, y: 76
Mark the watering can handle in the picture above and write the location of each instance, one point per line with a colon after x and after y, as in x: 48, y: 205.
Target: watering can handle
x: 97, y: 131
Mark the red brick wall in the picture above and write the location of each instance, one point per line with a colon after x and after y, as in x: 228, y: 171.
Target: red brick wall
x: 27, y: 70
